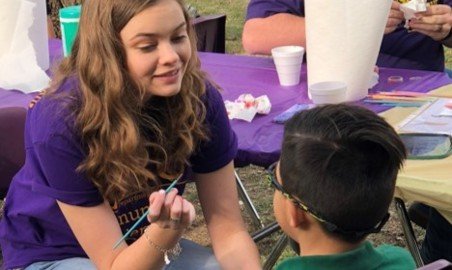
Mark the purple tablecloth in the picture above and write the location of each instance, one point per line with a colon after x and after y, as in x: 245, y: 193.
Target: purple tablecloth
x: 15, y: 98
x: 260, y: 140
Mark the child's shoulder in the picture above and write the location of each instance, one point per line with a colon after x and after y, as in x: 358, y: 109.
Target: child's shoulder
x: 396, y: 257
x: 366, y: 256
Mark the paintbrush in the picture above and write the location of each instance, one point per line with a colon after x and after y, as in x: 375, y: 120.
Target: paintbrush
x: 138, y: 222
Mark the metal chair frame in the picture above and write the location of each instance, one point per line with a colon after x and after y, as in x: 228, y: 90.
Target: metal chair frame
x: 264, y: 231
x: 408, y: 231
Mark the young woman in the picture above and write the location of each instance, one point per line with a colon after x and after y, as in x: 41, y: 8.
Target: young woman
x: 127, y: 112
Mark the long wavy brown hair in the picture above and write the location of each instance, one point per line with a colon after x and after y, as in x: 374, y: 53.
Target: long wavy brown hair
x: 123, y: 135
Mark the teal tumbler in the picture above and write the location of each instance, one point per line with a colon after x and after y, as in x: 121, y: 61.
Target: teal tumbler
x: 69, y: 20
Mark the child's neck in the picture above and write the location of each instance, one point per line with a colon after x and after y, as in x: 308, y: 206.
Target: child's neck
x: 318, y: 243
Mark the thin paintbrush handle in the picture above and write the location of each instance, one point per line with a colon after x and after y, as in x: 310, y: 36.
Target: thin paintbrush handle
x: 138, y: 222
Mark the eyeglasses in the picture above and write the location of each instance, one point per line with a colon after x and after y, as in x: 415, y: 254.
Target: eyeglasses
x: 329, y: 226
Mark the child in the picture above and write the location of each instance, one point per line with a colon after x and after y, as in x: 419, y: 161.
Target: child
x: 334, y: 183
x: 127, y: 112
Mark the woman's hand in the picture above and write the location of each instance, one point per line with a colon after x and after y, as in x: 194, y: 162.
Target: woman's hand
x: 395, y: 17
x: 435, y: 22
x: 170, y: 211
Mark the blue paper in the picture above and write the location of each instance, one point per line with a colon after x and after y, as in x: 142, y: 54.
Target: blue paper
x: 287, y: 114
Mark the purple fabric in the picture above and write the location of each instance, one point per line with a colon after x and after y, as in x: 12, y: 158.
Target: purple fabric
x: 260, y: 140
x: 399, y: 49
x: 33, y: 227
x: 15, y: 98
x: 12, y: 151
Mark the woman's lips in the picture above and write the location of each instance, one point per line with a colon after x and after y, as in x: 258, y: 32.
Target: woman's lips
x: 168, y: 77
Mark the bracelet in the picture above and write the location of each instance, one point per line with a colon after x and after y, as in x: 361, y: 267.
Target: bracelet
x: 169, y: 254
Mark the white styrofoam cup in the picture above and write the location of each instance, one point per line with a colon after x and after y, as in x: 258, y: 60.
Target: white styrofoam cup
x: 288, y: 60
x: 328, y: 92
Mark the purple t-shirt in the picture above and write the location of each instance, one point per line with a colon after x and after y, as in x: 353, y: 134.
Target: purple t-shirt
x: 33, y: 228
x: 399, y: 49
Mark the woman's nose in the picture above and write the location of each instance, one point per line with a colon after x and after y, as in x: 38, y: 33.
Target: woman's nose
x: 168, y: 54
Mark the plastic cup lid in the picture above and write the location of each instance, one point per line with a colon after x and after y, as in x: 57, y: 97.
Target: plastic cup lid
x: 72, y: 12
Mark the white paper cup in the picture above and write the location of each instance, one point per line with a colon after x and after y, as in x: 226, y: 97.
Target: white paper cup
x: 328, y: 92
x: 288, y: 60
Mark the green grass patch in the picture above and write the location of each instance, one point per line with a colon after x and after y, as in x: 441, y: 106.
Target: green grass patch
x: 448, y: 55
x: 235, y: 11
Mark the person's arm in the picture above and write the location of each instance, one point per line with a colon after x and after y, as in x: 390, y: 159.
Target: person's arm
x: 436, y: 23
x: 233, y: 246
x: 260, y: 35
x: 97, y: 230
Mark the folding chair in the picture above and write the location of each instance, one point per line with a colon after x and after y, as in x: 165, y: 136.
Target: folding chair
x: 264, y: 231
x: 211, y: 33
x: 278, y: 247
x: 408, y: 231
x: 249, y: 206
x: 12, y: 150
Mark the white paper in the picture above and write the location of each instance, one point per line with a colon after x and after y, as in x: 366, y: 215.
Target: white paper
x: 343, y: 39
x: 245, y: 107
x: 411, y: 8
x: 433, y: 117
x: 374, y: 79
x: 24, y: 53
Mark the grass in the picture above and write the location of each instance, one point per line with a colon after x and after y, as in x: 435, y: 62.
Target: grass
x: 235, y: 11
x: 448, y: 54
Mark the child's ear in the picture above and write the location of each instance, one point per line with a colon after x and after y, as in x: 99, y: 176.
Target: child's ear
x: 296, y: 216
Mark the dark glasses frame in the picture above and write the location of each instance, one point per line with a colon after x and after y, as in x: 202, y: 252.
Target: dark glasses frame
x: 329, y: 226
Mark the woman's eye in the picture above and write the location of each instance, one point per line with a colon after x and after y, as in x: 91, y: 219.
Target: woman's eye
x: 147, y: 48
x: 179, y: 38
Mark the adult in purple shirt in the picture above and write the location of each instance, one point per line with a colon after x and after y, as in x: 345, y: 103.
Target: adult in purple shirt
x: 126, y: 113
x: 281, y: 22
